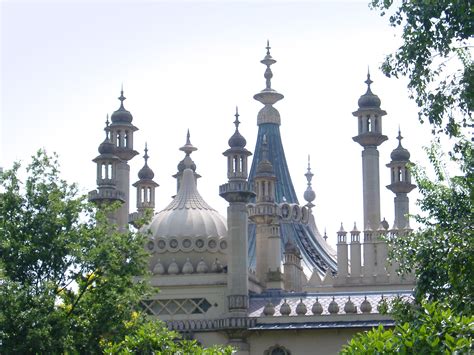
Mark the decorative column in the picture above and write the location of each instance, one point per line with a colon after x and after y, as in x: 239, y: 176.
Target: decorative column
x: 355, y: 252
x: 342, y: 255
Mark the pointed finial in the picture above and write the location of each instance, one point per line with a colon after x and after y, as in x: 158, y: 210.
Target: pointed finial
x: 309, y: 195
x: 325, y: 236
x: 237, y: 122
x: 399, y: 137
x: 188, y: 148
x: 268, y: 47
x: 121, y: 97
x: 188, y: 136
x: 107, y: 122
x: 146, y: 153
x: 368, y: 81
x: 309, y: 175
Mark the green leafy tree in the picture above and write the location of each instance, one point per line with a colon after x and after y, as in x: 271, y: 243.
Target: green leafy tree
x: 69, y: 280
x: 435, y: 330
x: 435, y: 56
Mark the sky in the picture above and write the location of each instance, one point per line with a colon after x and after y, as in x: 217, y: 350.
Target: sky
x: 187, y: 65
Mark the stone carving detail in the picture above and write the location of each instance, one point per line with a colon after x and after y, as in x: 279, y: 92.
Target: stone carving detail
x: 238, y: 302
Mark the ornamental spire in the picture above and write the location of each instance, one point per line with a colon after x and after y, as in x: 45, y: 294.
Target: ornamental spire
x: 309, y: 194
x: 237, y: 122
x: 121, y: 97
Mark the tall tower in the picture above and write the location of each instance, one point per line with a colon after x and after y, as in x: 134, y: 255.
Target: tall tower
x: 303, y: 235
x: 238, y: 192
x: 107, y: 163
x: 121, y: 132
x: 370, y: 136
x: 267, y: 220
x: 145, y: 187
x: 400, y: 185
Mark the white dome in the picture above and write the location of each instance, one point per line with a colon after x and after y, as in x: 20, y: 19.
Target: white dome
x: 188, y: 215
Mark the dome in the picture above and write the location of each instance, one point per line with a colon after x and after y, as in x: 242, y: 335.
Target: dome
x: 264, y: 167
x: 237, y: 140
x: 121, y: 115
x: 400, y: 154
x: 106, y: 147
x: 146, y: 173
x: 186, y: 163
x: 188, y: 215
x: 369, y: 100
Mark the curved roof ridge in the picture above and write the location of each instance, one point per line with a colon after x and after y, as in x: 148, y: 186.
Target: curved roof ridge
x: 188, y: 197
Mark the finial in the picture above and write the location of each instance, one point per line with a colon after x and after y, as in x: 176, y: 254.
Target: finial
x: 309, y: 175
x: 188, y: 148
x: 121, y: 98
x: 399, y: 137
x: 368, y: 81
x: 309, y: 195
x: 268, y: 47
x: 107, y: 122
x: 325, y: 236
x: 146, y: 154
x: 237, y: 122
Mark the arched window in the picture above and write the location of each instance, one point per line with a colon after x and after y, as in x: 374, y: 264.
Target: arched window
x: 277, y: 350
x: 126, y: 141
x: 399, y: 174
x: 369, y: 124
x: 148, y: 194
x: 103, y: 171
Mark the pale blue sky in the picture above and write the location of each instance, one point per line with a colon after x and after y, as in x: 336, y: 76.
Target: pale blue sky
x: 187, y: 65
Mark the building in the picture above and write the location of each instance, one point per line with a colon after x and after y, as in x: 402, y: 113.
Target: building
x: 263, y: 279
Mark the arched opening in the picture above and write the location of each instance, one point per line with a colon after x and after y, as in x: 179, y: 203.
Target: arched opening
x: 400, y: 174
x: 369, y: 124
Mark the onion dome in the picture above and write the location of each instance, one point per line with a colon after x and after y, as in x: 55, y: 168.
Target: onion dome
x: 269, y: 309
x: 122, y: 115
x: 349, y: 306
x: 301, y: 308
x: 106, y: 147
x: 237, y: 140
x: 369, y: 99
x: 400, y: 153
x: 146, y: 173
x: 285, y: 309
x: 333, y: 307
x: 188, y: 214
x: 264, y: 167
x: 317, y: 307
x: 365, y: 306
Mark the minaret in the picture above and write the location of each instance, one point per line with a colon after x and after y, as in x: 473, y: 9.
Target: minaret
x: 400, y: 185
x: 266, y: 218
x: 145, y: 187
x: 121, y: 131
x: 238, y: 192
x: 370, y: 137
x: 107, y: 162
x: 188, y: 148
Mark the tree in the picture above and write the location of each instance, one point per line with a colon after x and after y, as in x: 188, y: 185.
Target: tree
x: 435, y: 330
x: 69, y: 279
x: 435, y: 57
x: 441, y: 252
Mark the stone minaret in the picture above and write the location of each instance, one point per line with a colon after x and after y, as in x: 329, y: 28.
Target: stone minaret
x: 266, y: 219
x: 370, y: 136
x: 400, y: 185
x: 145, y: 187
x: 107, y: 164
x: 238, y: 193
x: 121, y: 135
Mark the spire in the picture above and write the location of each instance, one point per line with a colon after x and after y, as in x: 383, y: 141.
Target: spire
x: 268, y: 96
x: 400, y: 153
x: 309, y: 194
x: 368, y: 81
x: 146, y: 173
x: 146, y: 153
x: 188, y: 148
x: 237, y: 122
x: 121, y: 97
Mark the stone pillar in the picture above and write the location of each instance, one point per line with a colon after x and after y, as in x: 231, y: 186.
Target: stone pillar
x: 371, y: 186
x: 355, y: 253
x: 342, y: 255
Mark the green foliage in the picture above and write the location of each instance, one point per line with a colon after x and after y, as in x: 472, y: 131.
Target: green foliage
x: 436, y: 57
x: 441, y: 254
x: 69, y: 280
x: 435, y: 330
x: 155, y: 338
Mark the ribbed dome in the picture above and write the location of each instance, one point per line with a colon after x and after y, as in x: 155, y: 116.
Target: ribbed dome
x: 146, y: 173
x: 106, y: 147
x: 188, y: 214
x: 265, y: 167
x: 237, y: 140
x: 121, y: 115
x: 400, y: 154
x: 369, y: 100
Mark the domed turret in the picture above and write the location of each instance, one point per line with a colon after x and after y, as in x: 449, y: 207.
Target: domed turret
x: 369, y: 99
x: 122, y: 115
x: 146, y: 173
x: 145, y: 187
x: 264, y: 167
x: 400, y: 153
x: 237, y: 140
x: 106, y: 147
